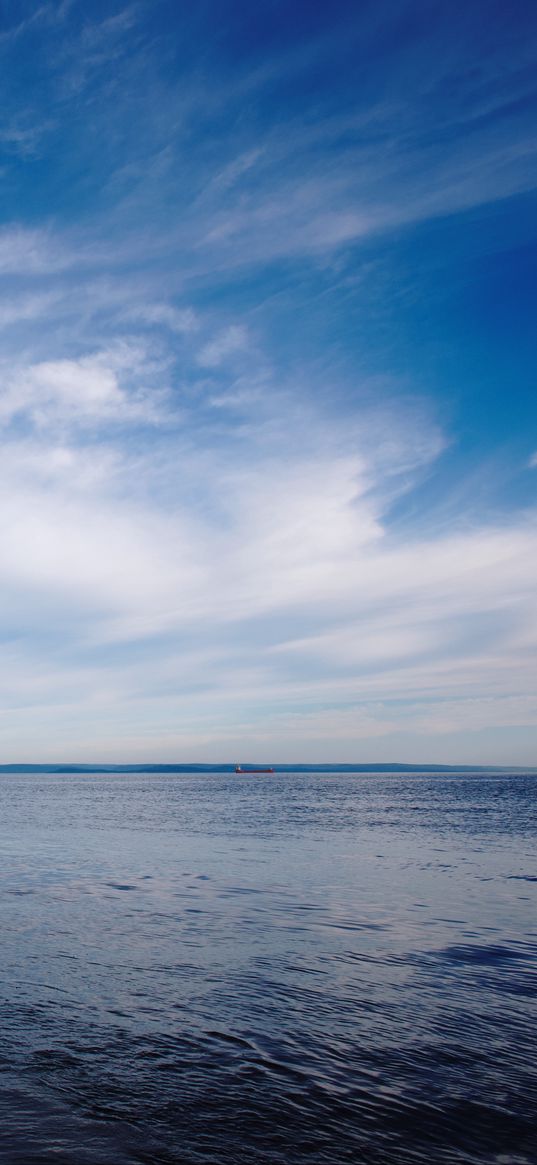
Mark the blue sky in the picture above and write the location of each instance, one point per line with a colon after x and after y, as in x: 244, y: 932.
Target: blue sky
x: 267, y: 348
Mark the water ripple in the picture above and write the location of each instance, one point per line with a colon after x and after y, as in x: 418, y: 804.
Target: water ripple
x: 335, y: 969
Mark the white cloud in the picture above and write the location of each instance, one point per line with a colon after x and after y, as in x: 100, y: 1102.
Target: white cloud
x: 249, y: 572
x: 236, y: 169
x: 30, y: 252
x: 187, y: 577
x: 280, y: 536
x: 227, y: 343
x: 24, y: 308
x: 77, y: 550
x: 104, y: 386
x: 183, y: 321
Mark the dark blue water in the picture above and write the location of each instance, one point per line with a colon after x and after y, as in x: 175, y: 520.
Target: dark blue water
x: 311, y: 968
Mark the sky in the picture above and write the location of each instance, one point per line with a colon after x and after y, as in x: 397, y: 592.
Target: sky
x: 268, y: 472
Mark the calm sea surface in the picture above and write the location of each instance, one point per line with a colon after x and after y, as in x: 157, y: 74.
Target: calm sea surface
x: 298, y: 968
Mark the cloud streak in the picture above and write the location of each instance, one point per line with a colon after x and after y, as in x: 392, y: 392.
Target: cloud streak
x: 209, y: 595
x: 246, y: 408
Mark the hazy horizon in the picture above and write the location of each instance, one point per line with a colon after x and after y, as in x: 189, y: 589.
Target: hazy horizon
x: 278, y: 766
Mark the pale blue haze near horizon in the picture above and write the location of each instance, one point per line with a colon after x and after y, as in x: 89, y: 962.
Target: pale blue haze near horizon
x: 267, y: 395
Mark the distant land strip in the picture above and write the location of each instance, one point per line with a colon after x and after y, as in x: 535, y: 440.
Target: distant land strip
x: 279, y: 768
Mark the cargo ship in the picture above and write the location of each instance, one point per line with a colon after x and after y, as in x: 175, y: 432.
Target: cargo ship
x: 240, y: 769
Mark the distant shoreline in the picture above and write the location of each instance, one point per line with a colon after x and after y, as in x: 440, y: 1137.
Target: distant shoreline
x: 279, y: 768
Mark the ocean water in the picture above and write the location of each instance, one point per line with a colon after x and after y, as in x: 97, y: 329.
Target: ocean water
x: 291, y: 968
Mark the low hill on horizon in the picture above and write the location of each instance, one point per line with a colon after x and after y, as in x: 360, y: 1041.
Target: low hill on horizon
x: 396, y: 767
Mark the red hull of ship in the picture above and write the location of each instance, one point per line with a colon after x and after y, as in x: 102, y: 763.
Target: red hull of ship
x: 240, y: 770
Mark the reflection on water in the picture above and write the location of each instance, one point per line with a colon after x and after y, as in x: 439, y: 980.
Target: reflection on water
x: 335, y: 968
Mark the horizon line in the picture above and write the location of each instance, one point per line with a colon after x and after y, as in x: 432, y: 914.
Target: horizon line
x: 163, y: 766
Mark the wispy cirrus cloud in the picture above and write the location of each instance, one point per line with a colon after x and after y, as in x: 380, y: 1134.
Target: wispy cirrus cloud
x: 29, y: 252
x: 82, y: 391
x: 239, y: 496
x: 202, y: 566
x: 231, y: 340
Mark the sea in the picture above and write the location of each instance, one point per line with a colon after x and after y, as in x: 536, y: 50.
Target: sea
x: 292, y: 968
